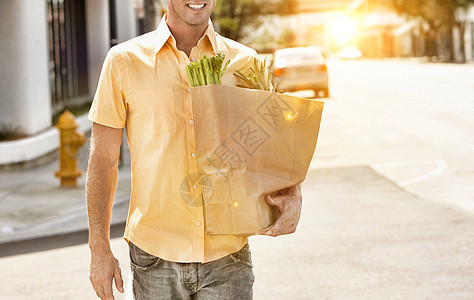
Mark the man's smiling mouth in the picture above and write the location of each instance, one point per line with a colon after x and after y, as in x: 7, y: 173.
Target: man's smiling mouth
x: 196, y: 6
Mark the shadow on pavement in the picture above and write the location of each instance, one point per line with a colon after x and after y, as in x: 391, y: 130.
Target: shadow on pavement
x: 54, y: 242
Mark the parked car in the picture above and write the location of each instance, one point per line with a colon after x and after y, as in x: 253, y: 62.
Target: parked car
x: 350, y: 52
x: 301, y: 68
x: 322, y: 50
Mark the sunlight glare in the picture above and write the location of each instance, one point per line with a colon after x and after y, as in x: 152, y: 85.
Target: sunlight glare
x: 343, y: 28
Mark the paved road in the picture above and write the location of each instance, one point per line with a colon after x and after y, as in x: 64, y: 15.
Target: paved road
x: 387, y: 202
x: 412, y: 122
x: 360, y: 237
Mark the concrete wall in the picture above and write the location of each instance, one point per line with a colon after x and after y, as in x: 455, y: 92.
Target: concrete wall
x: 25, y: 99
x: 25, y: 96
x: 98, y: 38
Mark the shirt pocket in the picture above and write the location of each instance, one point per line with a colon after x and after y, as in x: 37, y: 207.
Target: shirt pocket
x: 158, y: 104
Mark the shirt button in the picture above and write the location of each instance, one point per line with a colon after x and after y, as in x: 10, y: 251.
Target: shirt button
x: 191, y: 121
x: 195, y: 186
x: 189, y: 89
x: 193, y: 58
x: 193, y: 154
x: 198, y: 223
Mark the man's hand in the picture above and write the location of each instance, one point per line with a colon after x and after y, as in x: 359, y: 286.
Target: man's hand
x: 105, y: 268
x: 289, y: 202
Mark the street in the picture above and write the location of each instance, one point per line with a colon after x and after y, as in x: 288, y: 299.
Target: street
x: 388, y: 203
x: 411, y: 122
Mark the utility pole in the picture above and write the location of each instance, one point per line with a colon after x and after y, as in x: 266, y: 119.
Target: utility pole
x: 113, y: 23
x: 368, y: 42
x: 149, y: 13
x: 154, y: 9
x: 472, y: 40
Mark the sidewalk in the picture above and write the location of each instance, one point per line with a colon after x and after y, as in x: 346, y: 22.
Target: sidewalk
x: 33, y: 204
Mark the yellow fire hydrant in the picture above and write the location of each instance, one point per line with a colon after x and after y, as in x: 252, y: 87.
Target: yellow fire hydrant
x: 70, y: 142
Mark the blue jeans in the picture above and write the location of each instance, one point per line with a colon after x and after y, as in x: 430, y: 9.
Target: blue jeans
x: 230, y: 277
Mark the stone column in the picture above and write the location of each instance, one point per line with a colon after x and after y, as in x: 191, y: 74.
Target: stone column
x: 25, y: 96
x: 126, y: 21
x: 98, y: 38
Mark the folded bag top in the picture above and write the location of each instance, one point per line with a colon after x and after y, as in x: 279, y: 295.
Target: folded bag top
x: 249, y: 143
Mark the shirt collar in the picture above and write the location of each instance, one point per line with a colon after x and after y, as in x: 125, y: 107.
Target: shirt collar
x: 164, y: 33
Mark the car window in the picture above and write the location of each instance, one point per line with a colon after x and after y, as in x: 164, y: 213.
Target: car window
x: 297, y: 56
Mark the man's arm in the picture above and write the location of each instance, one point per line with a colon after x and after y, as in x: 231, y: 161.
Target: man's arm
x: 289, y: 203
x: 100, y: 191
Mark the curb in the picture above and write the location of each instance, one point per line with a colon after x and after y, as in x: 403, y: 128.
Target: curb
x: 71, y: 221
x: 34, y: 147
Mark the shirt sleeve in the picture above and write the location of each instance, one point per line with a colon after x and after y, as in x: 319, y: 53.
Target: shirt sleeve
x: 108, y: 107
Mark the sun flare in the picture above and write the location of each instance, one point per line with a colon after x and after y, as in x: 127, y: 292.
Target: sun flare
x: 343, y: 28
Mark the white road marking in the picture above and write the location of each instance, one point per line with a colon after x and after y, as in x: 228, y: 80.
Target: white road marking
x: 441, y: 166
x: 7, y: 229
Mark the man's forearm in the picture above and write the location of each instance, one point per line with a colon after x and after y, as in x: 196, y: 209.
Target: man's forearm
x: 100, y: 191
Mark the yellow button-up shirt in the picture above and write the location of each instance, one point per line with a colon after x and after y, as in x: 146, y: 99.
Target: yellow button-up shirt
x: 144, y: 88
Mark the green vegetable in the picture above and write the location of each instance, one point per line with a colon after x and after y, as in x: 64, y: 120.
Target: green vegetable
x: 206, y: 70
x: 257, y: 78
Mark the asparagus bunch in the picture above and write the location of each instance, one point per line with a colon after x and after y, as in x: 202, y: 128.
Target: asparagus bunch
x: 258, y: 77
x: 207, y: 70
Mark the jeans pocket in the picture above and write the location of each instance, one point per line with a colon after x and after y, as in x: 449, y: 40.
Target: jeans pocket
x: 243, y: 256
x: 142, y: 260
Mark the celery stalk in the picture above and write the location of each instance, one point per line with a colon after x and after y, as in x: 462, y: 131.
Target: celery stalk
x: 195, y: 75
x: 202, y: 80
x: 190, y: 76
x: 207, y: 70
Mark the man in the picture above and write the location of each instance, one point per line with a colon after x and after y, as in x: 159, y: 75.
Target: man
x: 144, y: 87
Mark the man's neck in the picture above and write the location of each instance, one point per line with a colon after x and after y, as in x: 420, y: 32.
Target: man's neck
x: 186, y: 36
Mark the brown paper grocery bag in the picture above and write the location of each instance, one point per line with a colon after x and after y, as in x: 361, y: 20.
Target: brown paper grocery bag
x: 250, y: 143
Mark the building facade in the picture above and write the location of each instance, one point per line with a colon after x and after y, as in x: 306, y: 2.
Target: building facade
x: 51, y: 53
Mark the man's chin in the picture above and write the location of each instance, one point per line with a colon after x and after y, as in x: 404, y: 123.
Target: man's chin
x: 197, y: 23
